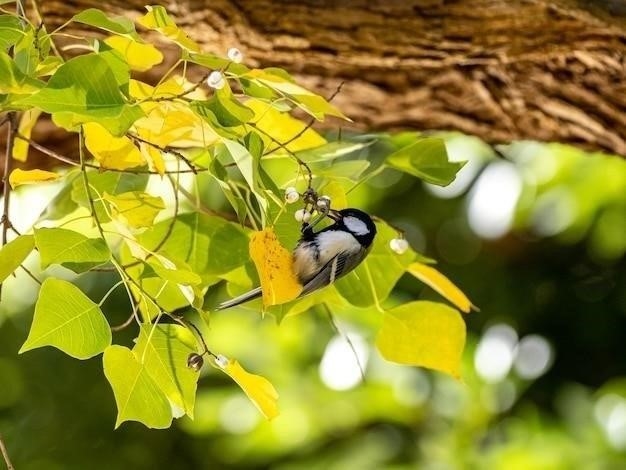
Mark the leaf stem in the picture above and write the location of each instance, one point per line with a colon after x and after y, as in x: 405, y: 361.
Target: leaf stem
x: 109, y: 292
x: 6, y: 189
x: 5, y: 455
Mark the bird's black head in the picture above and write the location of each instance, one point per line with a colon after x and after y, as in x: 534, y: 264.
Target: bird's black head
x: 356, y: 222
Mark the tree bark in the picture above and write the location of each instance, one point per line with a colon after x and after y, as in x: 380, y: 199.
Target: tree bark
x: 503, y: 70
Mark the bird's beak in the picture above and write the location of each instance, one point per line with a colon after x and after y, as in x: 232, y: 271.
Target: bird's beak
x: 335, y: 215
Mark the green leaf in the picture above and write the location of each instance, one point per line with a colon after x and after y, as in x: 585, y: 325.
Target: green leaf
x: 158, y: 20
x: 373, y: 280
x: 209, y: 245
x: 350, y: 169
x: 139, y: 209
x: 163, y: 351
x: 215, y: 62
x: 99, y: 19
x: 87, y: 89
x: 331, y: 151
x: 137, y: 396
x: 71, y: 249
x: 14, y: 253
x: 168, y: 270
x: 249, y: 168
x: 11, y: 31
x: 26, y: 53
x: 426, y: 334
x: 427, y: 159
x: 108, y: 182
x: 228, y: 110
x: 68, y: 320
x: 13, y: 80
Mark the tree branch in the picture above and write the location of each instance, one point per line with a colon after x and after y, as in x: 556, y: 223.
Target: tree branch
x: 5, y: 455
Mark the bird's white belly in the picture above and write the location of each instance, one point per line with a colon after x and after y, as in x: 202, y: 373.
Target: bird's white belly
x: 330, y: 244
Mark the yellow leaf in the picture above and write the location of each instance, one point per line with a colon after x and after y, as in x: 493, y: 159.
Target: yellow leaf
x: 441, y: 284
x: 138, y: 208
x: 257, y: 388
x: 18, y: 177
x: 140, y: 57
x: 274, y: 263
x: 117, y: 153
x: 154, y: 157
x: 282, y: 127
x: 426, y: 334
x: 25, y: 128
x: 173, y: 124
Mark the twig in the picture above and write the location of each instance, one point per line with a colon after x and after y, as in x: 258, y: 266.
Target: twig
x: 8, y: 166
x: 128, y: 321
x: 32, y: 276
x: 176, y: 153
x: 5, y: 455
x: 331, y: 319
x: 301, y: 162
x: 69, y: 161
x: 312, y: 120
x: 55, y: 49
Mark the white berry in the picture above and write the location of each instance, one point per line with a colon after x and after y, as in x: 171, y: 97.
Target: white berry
x: 216, y: 80
x: 235, y: 55
x: 221, y: 361
x: 323, y: 203
x: 302, y: 215
x: 291, y: 195
x: 399, y: 245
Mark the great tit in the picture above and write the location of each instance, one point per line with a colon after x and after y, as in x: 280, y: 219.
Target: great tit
x: 320, y: 258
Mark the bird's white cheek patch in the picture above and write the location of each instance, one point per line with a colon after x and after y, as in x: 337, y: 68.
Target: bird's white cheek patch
x: 356, y: 226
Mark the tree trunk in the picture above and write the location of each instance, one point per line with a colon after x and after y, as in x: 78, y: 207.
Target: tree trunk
x: 502, y: 70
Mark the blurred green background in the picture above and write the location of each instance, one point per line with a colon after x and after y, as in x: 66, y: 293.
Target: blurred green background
x: 535, y: 234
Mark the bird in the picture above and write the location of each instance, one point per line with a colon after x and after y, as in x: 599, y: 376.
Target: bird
x: 322, y: 257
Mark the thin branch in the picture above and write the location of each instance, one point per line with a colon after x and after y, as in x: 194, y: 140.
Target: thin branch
x: 69, y: 161
x: 176, y: 153
x: 180, y: 95
x: 55, y: 49
x: 127, y: 323
x: 312, y: 120
x: 32, y: 276
x: 8, y: 166
x: 5, y: 455
x: 301, y: 162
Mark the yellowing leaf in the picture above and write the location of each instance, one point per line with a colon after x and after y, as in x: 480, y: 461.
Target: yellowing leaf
x: 257, y: 388
x: 282, y: 127
x: 140, y: 57
x: 117, y: 153
x: 274, y: 263
x: 426, y: 334
x: 440, y: 283
x: 18, y: 177
x: 158, y: 19
x: 138, y: 208
x: 25, y: 128
x: 175, y: 124
x: 154, y: 157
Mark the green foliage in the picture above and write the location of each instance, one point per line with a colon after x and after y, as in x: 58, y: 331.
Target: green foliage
x: 68, y: 320
x: 70, y: 249
x: 13, y: 254
x: 148, y: 157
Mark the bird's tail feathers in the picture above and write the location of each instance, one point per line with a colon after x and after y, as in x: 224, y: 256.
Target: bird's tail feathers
x: 253, y: 294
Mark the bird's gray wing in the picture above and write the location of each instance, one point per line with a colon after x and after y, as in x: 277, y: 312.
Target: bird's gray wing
x: 338, y: 266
